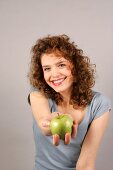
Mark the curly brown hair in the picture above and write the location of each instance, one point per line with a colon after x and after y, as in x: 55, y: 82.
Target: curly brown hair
x: 83, y: 70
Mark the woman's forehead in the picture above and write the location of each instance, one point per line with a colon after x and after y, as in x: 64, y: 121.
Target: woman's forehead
x: 52, y: 57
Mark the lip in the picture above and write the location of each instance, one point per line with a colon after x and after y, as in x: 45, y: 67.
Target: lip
x: 58, y: 79
x: 58, y: 82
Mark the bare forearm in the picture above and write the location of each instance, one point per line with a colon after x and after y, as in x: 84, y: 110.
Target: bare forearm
x: 85, y: 168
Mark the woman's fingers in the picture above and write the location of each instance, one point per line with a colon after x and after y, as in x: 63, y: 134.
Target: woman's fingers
x: 46, y: 123
x: 74, y: 128
x: 56, y: 139
x: 47, y: 120
x: 67, y: 138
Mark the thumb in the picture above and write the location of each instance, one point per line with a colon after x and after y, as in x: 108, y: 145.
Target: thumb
x: 46, y: 123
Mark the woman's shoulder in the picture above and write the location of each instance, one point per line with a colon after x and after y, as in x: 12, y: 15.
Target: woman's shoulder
x: 37, y: 91
x: 100, y: 97
x: 100, y: 104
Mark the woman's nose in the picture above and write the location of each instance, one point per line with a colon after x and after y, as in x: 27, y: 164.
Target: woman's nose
x: 54, y: 72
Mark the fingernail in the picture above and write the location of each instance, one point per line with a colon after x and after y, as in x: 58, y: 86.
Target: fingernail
x: 46, y: 123
x: 55, y: 140
x: 66, y: 143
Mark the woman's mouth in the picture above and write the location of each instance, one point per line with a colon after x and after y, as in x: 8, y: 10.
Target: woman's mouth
x: 58, y: 82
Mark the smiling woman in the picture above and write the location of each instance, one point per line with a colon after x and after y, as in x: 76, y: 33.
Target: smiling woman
x: 61, y: 80
x: 82, y: 70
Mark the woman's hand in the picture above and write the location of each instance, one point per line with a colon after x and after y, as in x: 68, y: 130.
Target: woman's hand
x: 56, y: 138
x: 68, y: 136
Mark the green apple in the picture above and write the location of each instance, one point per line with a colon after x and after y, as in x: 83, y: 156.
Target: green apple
x: 61, y: 125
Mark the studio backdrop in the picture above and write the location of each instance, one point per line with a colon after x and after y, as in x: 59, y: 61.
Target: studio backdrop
x: 90, y: 25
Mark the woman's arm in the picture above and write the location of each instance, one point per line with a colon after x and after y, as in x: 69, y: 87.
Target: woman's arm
x: 91, y: 143
x: 41, y: 110
x: 43, y: 116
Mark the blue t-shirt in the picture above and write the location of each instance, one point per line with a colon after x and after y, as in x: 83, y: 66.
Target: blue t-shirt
x: 64, y: 157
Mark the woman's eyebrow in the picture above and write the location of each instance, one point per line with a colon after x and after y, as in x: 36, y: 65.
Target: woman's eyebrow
x: 59, y: 62
x: 45, y: 66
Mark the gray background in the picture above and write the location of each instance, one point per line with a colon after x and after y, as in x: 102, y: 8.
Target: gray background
x: 90, y: 24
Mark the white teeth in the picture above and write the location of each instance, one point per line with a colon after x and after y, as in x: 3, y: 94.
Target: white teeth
x: 58, y: 81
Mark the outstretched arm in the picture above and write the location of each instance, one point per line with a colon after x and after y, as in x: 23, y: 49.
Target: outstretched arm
x: 91, y: 143
x: 43, y: 116
x: 40, y: 109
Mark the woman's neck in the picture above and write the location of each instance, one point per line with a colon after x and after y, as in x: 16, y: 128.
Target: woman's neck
x: 66, y: 98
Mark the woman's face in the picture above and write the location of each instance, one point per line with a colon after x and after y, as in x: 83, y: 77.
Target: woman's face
x: 57, y: 72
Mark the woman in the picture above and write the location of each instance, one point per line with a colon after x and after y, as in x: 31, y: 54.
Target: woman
x: 61, y: 79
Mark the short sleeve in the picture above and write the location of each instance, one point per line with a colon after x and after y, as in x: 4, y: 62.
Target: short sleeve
x: 51, y: 103
x: 32, y: 89
x: 100, y: 105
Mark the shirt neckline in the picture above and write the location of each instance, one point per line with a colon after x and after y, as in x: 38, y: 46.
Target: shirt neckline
x: 85, y: 114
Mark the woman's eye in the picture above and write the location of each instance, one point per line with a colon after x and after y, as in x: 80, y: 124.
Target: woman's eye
x: 62, y: 65
x: 46, y: 69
